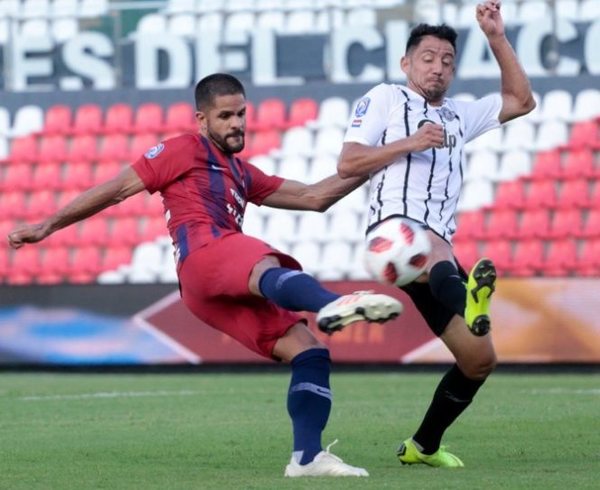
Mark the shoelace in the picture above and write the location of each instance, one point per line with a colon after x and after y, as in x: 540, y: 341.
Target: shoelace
x: 329, y: 452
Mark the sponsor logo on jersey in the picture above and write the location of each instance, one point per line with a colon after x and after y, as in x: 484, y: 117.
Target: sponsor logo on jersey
x: 154, y: 151
x: 362, y: 106
x: 356, y: 123
x: 447, y: 114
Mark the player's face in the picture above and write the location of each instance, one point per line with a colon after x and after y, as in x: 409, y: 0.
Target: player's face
x: 429, y: 68
x: 225, y: 122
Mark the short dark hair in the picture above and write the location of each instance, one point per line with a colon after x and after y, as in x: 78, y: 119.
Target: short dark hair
x: 216, y: 84
x: 441, y: 31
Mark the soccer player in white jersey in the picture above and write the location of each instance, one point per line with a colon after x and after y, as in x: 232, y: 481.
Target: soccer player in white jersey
x: 410, y: 140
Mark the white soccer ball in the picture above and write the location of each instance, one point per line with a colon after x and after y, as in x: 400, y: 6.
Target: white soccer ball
x: 397, y: 251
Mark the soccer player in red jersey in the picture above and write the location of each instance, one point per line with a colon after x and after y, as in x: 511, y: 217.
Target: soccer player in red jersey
x: 233, y: 282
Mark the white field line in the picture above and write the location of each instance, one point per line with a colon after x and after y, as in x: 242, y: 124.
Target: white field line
x: 138, y: 319
x: 108, y: 394
x: 566, y: 391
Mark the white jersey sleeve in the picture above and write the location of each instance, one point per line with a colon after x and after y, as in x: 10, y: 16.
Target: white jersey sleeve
x: 480, y: 115
x: 370, y: 117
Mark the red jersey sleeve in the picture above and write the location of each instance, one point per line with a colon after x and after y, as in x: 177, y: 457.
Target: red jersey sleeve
x: 261, y: 185
x: 164, y: 163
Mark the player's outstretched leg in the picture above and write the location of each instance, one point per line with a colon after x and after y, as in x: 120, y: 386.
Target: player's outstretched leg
x: 358, y: 306
x: 324, y: 464
x: 480, y: 286
x: 408, y: 453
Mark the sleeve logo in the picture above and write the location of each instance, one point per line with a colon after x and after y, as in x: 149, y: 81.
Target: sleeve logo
x: 154, y: 151
x: 362, y: 106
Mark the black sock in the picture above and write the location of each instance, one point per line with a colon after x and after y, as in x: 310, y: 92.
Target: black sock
x: 452, y: 396
x: 448, y: 287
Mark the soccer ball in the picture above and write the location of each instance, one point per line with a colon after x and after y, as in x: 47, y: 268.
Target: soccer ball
x: 397, y: 251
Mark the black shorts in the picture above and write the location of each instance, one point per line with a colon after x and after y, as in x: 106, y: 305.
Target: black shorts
x: 435, y: 313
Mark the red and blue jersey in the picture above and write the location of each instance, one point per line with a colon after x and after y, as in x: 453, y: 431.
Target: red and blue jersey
x: 204, y: 190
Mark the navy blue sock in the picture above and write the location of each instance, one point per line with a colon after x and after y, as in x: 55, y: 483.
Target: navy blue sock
x: 309, y: 401
x: 448, y: 287
x: 294, y: 290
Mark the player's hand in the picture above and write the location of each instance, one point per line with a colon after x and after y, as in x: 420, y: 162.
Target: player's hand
x: 489, y: 18
x: 429, y: 135
x: 26, y: 234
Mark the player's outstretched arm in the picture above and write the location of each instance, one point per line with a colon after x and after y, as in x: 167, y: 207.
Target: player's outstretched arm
x: 90, y: 202
x: 517, y: 98
x: 312, y: 197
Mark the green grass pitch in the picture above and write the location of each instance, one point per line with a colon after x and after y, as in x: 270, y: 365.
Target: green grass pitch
x: 231, y: 431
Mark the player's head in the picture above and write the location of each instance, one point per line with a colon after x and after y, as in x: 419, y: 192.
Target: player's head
x: 221, y: 111
x: 429, y: 61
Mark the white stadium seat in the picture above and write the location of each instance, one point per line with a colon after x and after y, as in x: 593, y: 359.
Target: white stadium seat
x: 322, y: 166
x: 519, y: 134
x: 482, y: 165
x: 280, y: 227
x: 557, y: 104
x: 475, y: 195
x: 514, y: 164
x: 587, y: 104
x: 551, y: 134
x: 336, y: 261
x: 265, y: 163
x: 297, y: 141
x: 28, y: 119
x: 146, y: 263
x: 313, y: 226
x: 345, y: 224
x: 308, y: 254
x: 492, y: 140
x: 567, y: 9
x: 329, y: 141
x: 333, y: 111
x: 293, y: 167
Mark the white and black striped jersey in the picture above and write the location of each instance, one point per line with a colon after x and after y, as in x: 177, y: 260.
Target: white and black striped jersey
x: 424, y: 186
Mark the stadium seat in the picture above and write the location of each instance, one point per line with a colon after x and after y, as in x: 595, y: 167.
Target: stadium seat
x: 270, y: 114
x: 591, y: 226
x: 574, y: 194
x: 534, y: 223
x: 40, y: 205
x: 336, y: 261
x: 13, y: 204
x: 114, y: 148
x: 64, y: 8
x: 88, y: 119
x: 293, y: 167
x: 345, y: 224
x: 541, y: 193
x: 513, y: 165
x: 584, y: 135
x: 76, y: 176
x: 587, y: 104
x: 23, y: 149
x: 281, y: 228
x: 467, y: 253
x: 156, y: 227
x: 501, y: 224
x: 58, y: 119
x: 528, y: 258
x: 149, y: 118
x: 52, y: 149
x: 17, y: 177
x: 491, y: 141
x: 264, y: 142
x: 146, y: 263
x: 119, y: 119
x: 579, y: 164
x: 557, y: 105
x: 115, y: 257
x: 329, y: 141
x: 105, y: 171
x: 180, y: 117
x: 551, y: 134
x: 588, y: 260
x: 500, y: 251
x: 85, y: 265
x: 64, y: 29
x: 94, y: 231
x: 264, y: 163
x: 132, y: 206
x: 140, y: 144
x: 509, y: 194
x: 476, y: 194
x: 297, y: 141
x: 83, y: 148
x: 302, y: 111
x: 589, y: 10
x: 560, y: 259
x: 519, y: 135
x: 47, y: 176
x: 333, y: 111
x: 93, y: 8
x: 238, y: 23
x: 35, y: 28
x: 566, y: 223
x: 24, y: 266
x: 313, y: 227
x: 482, y: 164
x: 4, y: 265
x: 28, y: 119
x: 125, y: 231
x: 547, y: 165
x: 308, y: 254
x: 322, y: 166
x: 54, y: 265
x: 470, y: 226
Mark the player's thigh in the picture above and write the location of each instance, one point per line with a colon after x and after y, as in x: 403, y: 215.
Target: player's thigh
x: 475, y: 355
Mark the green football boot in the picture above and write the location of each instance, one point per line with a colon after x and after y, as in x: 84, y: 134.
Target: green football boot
x: 409, y: 454
x: 480, y: 286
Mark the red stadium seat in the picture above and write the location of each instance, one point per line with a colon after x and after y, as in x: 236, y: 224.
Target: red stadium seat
x: 77, y: 176
x: 148, y: 118
x: 13, y: 204
x: 547, y: 165
x: 106, y: 171
x: 574, y: 194
x: 588, y: 260
x: 114, y: 148
x: 52, y: 149
x: 54, y: 265
x: 561, y: 258
x: 579, y: 164
x: 528, y: 258
x: 154, y: 206
x: 470, y: 226
x: 180, y: 118
x: 116, y: 256
x: 58, y: 120
x: 125, y: 231
x: 83, y: 148
x: 302, y: 111
x: 154, y: 228
x: 47, y: 176
x: 500, y: 251
x: 250, y: 117
x: 541, y: 194
x: 534, y: 223
x: 140, y: 144
x: 510, y: 195
x: 133, y: 206
x: 85, y: 265
x: 23, y: 149
x: 264, y: 142
x: 40, y: 205
x: 467, y: 253
x: 119, y: 119
x: 24, y: 265
x: 591, y: 227
x: 501, y: 224
x: 271, y: 114
x: 566, y: 223
x: 94, y: 231
x: 88, y: 119
x: 17, y: 176
x: 584, y: 134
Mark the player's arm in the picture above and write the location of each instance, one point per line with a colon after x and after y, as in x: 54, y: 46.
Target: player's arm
x: 125, y: 184
x: 517, y: 98
x: 358, y: 160
x: 319, y: 196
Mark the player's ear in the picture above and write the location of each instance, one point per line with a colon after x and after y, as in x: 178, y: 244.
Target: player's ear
x: 404, y: 64
x: 201, y: 120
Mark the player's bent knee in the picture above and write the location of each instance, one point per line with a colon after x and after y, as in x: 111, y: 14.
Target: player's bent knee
x: 481, y: 367
x: 296, y: 340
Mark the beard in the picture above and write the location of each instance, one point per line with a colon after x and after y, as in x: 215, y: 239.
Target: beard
x: 230, y: 143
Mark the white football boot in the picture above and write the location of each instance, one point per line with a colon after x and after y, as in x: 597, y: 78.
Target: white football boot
x: 355, y: 307
x: 324, y: 464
